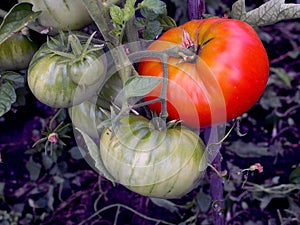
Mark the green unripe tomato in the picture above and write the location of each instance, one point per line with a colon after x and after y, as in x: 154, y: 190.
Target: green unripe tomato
x: 61, y: 14
x: 152, y: 162
x: 50, y: 76
x: 16, y: 52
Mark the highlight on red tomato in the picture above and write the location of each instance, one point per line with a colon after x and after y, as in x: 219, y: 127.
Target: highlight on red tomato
x: 226, y: 78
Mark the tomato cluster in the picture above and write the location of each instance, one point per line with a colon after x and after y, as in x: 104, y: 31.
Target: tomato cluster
x: 219, y: 71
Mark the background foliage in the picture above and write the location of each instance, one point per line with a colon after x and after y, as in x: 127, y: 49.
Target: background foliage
x: 59, y: 187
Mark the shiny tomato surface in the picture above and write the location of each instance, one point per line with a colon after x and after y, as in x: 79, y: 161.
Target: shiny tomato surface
x: 225, y: 80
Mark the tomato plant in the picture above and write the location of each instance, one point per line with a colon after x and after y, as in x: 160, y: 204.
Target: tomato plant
x: 229, y: 59
x: 63, y: 74
x: 151, y: 160
x: 16, y: 52
x: 61, y: 15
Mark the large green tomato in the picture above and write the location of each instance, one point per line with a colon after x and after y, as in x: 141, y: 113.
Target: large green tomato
x: 16, y: 52
x: 159, y: 163
x: 61, y: 14
x: 226, y: 78
x: 60, y: 81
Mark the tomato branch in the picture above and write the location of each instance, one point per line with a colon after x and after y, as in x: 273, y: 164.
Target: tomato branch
x: 163, y: 56
x: 164, y: 112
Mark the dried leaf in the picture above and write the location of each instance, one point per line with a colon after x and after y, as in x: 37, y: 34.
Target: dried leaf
x: 270, y: 12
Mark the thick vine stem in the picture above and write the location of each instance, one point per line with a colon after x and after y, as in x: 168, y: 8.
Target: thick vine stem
x: 216, y: 182
x: 196, y: 9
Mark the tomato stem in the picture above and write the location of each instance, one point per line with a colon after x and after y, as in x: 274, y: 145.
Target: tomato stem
x: 163, y: 95
x: 163, y: 55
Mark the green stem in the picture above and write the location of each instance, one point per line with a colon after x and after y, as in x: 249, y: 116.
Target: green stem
x: 164, y: 112
x: 54, y: 118
x: 163, y: 55
x: 100, y: 14
x: 145, y: 103
x: 132, y: 36
x: 2, y: 13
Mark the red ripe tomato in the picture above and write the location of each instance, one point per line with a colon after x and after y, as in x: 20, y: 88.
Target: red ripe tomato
x: 226, y: 78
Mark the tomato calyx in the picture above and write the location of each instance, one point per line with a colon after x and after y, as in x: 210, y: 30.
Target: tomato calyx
x: 71, y: 47
x: 190, y: 47
x: 158, y: 124
x: 82, y: 56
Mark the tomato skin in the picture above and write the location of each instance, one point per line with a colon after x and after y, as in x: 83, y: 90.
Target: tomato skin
x: 86, y: 116
x: 16, y: 52
x: 163, y: 164
x: 225, y: 81
x: 49, y: 78
x: 61, y: 14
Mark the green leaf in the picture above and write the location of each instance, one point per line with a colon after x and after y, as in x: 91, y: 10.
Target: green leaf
x: 34, y: 169
x: 94, y: 155
x: 140, y: 85
x: 153, y: 29
x: 117, y: 14
x: 165, y: 204
x: 250, y: 150
x: 17, y: 18
x: 295, y: 176
x: 148, y: 14
x: 7, y: 97
x: 270, y: 99
x: 283, y: 75
x: 129, y: 9
x: 13, y: 78
x: 204, y: 201
x: 166, y: 22
x: 130, y: 3
x: 157, y: 6
x: 47, y: 161
x: 76, y: 153
x: 140, y: 23
x: 269, y: 13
